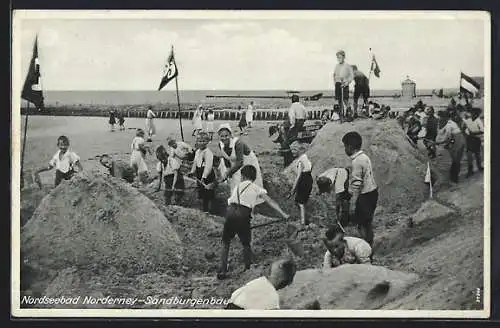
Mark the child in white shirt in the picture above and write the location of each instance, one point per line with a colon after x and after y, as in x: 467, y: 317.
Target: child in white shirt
x: 203, y: 169
x: 302, y: 186
x: 243, y: 199
x: 168, y: 169
x: 343, y: 249
x: 337, y: 179
x: 139, y: 150
x: 64, y: 161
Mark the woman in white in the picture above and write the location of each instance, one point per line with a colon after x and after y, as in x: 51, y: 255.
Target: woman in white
x: 137, y: 155
x: 150, y: 126
x: 235, y: 155
x: 210, y: 123
x: 197, y: 124
x: 249, y: 114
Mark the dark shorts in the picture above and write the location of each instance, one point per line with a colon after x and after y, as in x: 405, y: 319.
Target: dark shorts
x: 365, y: 207
x: 473, y: 144
x: 304, y: 187
x: 237, y: 223
x: 342, y: 200
x: 363, y: 91
x: 179, y: 185
x: 202, y: 192
x: 338, y: 93
x: 60, y: 176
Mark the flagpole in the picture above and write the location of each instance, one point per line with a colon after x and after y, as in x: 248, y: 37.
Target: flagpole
x: 24, y: 143
x: 178, y: 102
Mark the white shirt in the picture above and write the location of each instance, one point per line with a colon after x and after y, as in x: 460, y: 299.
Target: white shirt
x: 447, y: 131
x: 258, y: 294
x: 150, y: 114
x: 205, y: 158
x: 250, y: 194
x: 65, y: 164
x: 136, y: 142
x: 343, y: 73
x: 173, y: 165
x: 182, y: 150
x: 362, y: 173
x: 338, y: 176
x: 359, y: 247
x: 304, y: 164
x: 474, y: 126
x: 210, y: 117
x: 297, y: 111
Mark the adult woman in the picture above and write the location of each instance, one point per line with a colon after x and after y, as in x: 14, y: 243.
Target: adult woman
x: 236, y: 154
x: 150, y: 126
x: 197, y: 117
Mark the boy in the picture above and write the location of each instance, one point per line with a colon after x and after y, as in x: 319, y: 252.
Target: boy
x: 337, y: 179
x: 475, y: 128
x: 261, y: 293
x: 364, y: 190
x: 342, y: 77
x: 361, y: 88
x: 342, y: 250
x: 203, y: 169
x: 168, y: 170
x: 303, y: 182
x: 243, y: 199
x: 64, y: 161
x: 182, y: 150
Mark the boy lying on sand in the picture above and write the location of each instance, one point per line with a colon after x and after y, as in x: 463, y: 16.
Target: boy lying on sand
x: 342, y: 249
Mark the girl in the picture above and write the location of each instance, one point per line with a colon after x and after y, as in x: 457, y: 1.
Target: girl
x: 168, y: 169
x: 197, y: 124
x: 243, y: 122
x: 210, y: 123
x: 138, y: 154
x: 203, y: 170
x: 112, y: 120
x: 64, y: 161
x: 150, y: 126
x: 121, y: 121
x: 303, y: 182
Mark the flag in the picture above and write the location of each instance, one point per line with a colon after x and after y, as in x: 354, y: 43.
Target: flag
x: 428, y: 174
x: 170, y: 71
x: 468, y: 85
x: 32, y: 89
x: 374, y: 67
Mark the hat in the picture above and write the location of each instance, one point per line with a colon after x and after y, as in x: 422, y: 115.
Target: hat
x: 224, y: 126
x: 340, y: 52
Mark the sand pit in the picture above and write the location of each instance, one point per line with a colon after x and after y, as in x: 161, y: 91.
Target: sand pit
x: 350, y: 286
x: 94, y: 222
x: 398, y: 167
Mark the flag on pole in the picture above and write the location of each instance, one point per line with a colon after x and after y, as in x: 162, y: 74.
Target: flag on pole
x: 170, y: 71
x: 428, y: 174
x: 467, y: 85
x: 374, y: 66
x: 32, y: 89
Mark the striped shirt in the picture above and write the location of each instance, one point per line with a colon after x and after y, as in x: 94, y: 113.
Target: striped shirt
x: 362, y: 174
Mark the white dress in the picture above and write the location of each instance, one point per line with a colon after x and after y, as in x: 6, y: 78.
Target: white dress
x: 150, y: 126
x: 250, y: 159
x: 136, y: 158
x: 249, y: 114
x: 197, y: 124
x: 210, y: 122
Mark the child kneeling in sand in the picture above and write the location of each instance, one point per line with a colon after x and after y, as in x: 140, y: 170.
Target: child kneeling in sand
x: 243, y: 199
x: 342, y: 249
x: 64, y: 161
x: 261, y: 293
x: 168, y: 169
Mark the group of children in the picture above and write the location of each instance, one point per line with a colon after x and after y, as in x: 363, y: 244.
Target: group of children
x: 113, y: 117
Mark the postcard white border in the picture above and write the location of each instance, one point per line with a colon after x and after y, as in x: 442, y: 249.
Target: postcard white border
x: 20, y: 15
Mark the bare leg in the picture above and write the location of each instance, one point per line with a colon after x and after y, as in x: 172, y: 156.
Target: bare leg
x: 224, y: 257
x: 303, y: 214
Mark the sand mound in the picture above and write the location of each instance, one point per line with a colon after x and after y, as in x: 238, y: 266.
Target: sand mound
x: 350, y: 286
x: 94, y: 222
x: 431, y: 210
x: 398, y: 167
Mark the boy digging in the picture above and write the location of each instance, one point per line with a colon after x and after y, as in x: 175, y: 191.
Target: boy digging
x: 243, y: 199
x: 364, y: 190
x: 203, y: 170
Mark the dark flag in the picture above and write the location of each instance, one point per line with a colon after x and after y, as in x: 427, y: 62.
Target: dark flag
x: 170, y: 71
x: 375, y: 67
x: 32, y: 89
x: 468, y: 86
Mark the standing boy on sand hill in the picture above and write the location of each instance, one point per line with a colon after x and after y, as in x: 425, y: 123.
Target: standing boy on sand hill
x: 203, y: 169
x: 364, y: 190
x: 243, y: 199
x: 64, y: 161
x: 342, y: 77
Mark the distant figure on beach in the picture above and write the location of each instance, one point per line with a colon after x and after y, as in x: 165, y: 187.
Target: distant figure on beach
x: 112, y: 120
x: 242, y: 124
x: 197, y: 124
x: 210, y: 123
x: 249, y: 114
x: 297, y: 115
x: 150, y: 126
x: 121, y: 120
x: 361, y: 88
x: 342, y: 77
x: 64, y: 161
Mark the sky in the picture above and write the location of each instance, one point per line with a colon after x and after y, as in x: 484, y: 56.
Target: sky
x: 248, y: 52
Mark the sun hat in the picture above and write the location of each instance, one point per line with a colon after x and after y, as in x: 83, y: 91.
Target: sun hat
x: 225, y: 126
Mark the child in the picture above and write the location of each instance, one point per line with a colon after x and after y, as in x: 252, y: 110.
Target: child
x: 150, y: 125
x: 210, y: 123
x: 475, y: 129
x: 117, y: 169
x: 342, y: 250
x: 121, y: 121
x: 261, y: 293
x: 112, y: 120
x: 138, y: 154
x: 64, y: 161
x: 303, y: 182
x: 337, y: 179
x: 364, y: 190
x: 197, y: 117
x: 182, y: 150
x: 243, y: 199
x: 168, y: 169
x: 243, y: 122
x: 203, y: 170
